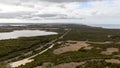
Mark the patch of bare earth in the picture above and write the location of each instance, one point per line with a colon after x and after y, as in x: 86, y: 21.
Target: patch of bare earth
x: 117, y: 55
x: 70, y: 46
x: 69, y: 65
x: 88, y: 48
x: 109, y: 51
x: 45, y: 65
x: 117, y: 61
x: 107, y: 42
x: 64, y: 65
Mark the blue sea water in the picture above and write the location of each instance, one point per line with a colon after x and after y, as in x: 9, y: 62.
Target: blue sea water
x: 108, y: 26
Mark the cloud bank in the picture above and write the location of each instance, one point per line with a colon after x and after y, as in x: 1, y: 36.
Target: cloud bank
x: 61, y: 1
x: 79, y: 11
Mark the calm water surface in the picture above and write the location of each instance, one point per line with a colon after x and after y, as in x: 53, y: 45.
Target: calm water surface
x: 108, y: 26
x: 24, y: 33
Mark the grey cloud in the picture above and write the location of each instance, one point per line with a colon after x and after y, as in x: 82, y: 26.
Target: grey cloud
x: 33, y: 16
x: 94, y: 13
x: 14, y: 14
x: 38, y: 16
x: 10, y: 2
x: 52, y: 15
x: 46, y: 15
x: 18, y: 2
x: 60, y: 1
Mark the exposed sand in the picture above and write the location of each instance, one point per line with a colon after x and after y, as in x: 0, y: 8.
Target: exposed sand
x: 27, y: 60
x: 45, y: 65
x: 88, y: 48
x: 107, y: 42
x: 69, y: 46
x: 69, y: 65
x: 21, y: 62
x: 109, y: 51
x: 117, y: 55
x: 64, y: 65
x: 117, y: 61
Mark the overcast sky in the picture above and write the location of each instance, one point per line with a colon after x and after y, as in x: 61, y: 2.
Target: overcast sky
x: 68, y: 11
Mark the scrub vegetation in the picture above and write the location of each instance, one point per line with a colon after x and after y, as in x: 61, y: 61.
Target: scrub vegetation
x: 99, y: 39
x: 15, y: 47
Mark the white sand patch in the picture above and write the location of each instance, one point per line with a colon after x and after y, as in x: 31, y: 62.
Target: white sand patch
x: 21, y: 62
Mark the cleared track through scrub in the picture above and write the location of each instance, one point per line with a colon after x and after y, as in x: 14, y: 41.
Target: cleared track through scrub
x: 28, y: 60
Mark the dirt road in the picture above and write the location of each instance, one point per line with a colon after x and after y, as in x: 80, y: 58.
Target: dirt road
x: 28, y: 60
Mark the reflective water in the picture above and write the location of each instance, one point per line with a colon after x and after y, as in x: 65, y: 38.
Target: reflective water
x: 24, y: 33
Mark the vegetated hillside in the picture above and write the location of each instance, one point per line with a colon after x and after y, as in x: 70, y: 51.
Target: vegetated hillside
x: 15, y: 47
x: 77, y: 33
x: 86, y: 33
x: 83, y: 32
x: 98, y: 40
